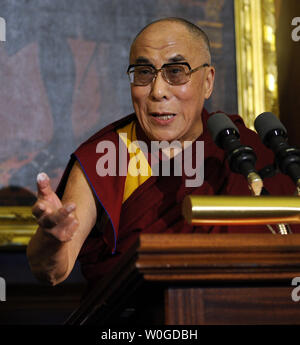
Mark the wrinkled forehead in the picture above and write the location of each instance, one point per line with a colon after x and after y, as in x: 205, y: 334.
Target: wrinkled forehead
x: 165, y: 40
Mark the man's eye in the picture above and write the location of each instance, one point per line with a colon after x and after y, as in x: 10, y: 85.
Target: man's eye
x: 143, y: 71
x: 176, y: 70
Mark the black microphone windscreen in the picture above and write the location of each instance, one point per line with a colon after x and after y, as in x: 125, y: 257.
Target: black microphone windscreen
x: 266, y: 122
x: 219, y: 122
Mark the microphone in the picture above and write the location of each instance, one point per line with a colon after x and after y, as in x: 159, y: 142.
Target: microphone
x: 241, y: 158
x: 226, y: 135
x: 274, y: 135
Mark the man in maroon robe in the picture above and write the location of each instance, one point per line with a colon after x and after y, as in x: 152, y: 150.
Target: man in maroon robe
x: 89, y: 218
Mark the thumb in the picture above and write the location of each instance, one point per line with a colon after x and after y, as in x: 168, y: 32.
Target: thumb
x: 43, y: 185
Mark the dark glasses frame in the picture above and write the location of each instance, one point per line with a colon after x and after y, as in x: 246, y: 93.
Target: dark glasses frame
x: 156, y: 71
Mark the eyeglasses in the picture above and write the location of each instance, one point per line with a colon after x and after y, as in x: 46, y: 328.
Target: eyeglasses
x: 175, y: 73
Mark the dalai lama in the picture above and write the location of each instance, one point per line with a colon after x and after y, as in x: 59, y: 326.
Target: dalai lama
x: 95, y: 215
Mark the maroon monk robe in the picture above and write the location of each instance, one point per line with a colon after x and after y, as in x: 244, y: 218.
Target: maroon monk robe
x: 155, y: 206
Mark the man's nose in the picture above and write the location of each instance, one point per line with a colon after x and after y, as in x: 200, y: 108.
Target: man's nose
x: 159, y: 87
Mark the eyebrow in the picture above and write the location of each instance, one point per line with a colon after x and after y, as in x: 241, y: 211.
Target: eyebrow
x: 177, y: 58
x: 144, y: 60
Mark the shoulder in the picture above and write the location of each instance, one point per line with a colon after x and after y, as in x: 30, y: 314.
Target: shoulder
x: 109, y: 132
x: 86, y: 155
x: 87, y: 149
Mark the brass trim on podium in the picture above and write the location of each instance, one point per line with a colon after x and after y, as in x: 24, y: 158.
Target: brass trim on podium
x: 241, y: 210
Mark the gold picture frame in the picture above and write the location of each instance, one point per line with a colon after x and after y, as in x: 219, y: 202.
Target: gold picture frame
x: 257, y: 92
x: 255, y: 28
x: 17, y: 225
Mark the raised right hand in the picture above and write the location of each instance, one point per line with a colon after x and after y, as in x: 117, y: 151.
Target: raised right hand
x: 54, y: 218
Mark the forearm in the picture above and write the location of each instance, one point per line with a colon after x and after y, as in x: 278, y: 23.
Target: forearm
x: 64, y: 226
x: 48, y: 257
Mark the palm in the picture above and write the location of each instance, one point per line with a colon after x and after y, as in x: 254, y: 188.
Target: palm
x: 52, y: 201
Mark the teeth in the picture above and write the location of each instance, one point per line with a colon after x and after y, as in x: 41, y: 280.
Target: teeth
x: 165, y: 117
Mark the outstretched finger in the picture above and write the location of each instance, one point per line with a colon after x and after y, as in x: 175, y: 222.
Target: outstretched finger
x: 43, y: 185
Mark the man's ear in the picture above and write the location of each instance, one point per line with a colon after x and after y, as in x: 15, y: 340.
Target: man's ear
x: 209, y: 81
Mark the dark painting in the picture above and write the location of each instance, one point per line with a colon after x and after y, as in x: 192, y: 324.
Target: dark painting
x: 63, y: 76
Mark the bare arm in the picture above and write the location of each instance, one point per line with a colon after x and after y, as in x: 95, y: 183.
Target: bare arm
x: 63, y: 226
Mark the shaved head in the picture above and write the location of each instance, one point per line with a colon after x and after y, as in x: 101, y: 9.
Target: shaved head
x: 196, y: 32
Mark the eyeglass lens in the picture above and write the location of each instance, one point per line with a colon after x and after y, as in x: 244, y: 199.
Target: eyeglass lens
x: 174, y: 74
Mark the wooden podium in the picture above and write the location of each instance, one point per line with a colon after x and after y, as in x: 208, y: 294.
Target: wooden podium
x: 199, y: 279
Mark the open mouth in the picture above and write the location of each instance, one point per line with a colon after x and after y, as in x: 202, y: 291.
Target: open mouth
x: 163, y: 116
